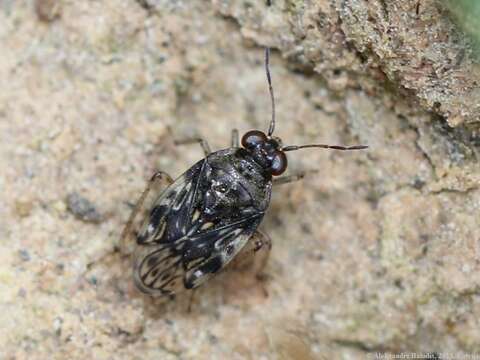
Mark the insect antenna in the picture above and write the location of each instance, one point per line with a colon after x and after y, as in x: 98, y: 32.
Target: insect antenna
x: 271, y: 127
x: 272, y: 122
x: 324, y: 146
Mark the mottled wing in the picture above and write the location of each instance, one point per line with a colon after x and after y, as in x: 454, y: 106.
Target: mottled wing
x: 168, y: 268
x: 178, y: 247
x: 210, y: 251
x: 158, y: 262
x: 140, y: 211
x: 158, y: 270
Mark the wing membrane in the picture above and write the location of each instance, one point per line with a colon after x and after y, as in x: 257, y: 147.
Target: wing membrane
x: 167, y: 268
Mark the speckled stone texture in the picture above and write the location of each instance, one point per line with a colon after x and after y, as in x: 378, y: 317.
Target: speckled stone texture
x: 374, y: 251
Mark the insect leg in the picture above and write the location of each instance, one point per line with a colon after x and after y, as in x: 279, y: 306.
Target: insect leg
x: 263, y: 246
x: 289, y: 178
x: 254, y: 255
x: 159, y: 179
x: 190, y: 302
x: 235, y: 140
x: 203, y: 143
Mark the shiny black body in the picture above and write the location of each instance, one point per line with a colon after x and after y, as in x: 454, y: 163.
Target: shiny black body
x: 200, y: 222
x: 233, y: 186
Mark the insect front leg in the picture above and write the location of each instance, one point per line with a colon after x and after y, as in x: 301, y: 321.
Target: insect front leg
x: 235, y: 142
x: 158, y: 181
x: 289, y: 178
x: 203, y: 143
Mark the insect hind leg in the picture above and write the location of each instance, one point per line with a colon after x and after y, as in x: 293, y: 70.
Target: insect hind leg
x: 262, y: 248
x: 203, y: 143
x: 157, y: 181
x: 254, y: 256
x: 190, y: 301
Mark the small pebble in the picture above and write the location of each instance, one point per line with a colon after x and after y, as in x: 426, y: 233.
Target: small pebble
x: 83, y: 209
x: 24, y: 255
x: 48, y: 10
x: 23, y: 208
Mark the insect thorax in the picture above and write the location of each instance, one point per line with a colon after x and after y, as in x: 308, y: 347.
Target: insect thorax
x: 233, y: 185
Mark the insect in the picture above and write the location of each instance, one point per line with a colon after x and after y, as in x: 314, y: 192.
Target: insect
x: 207, y: 216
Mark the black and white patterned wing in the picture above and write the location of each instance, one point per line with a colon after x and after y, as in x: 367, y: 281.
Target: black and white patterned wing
x: 210, y: 251
x: 169, y: 217
x: 199, y: 223
x: 158, y: 270
x: 168, y: 268
x: 160, y: 239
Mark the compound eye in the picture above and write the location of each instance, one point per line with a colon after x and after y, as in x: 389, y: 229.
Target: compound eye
x: 252, y: 138
x: 279, y: 163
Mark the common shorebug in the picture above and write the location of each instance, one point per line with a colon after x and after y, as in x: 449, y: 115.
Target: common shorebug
x: 207, y: 216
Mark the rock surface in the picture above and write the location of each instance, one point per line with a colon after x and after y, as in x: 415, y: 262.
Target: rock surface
x: 376, y: 251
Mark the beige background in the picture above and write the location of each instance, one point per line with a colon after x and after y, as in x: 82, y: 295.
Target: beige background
x: 378, y: 251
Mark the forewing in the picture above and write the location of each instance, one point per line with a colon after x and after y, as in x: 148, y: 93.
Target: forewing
x: 210, y: 251
x: 169, y: 217
x: 168, y: 268
x: 158, y: 256
x: 156, y: 185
